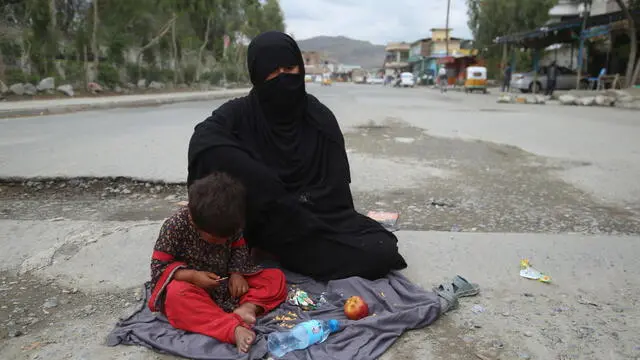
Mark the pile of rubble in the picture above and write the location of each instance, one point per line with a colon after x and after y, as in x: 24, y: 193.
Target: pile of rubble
x: 506, y: 98
x: 47, y: 86
x: 618, y: 98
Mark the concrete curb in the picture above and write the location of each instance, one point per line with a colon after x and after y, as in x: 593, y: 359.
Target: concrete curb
x: 35, y: 108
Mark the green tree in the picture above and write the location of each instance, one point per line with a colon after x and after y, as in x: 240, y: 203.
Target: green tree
x: 163, y: 35
x: 272, y: 16
x: 489, y: 19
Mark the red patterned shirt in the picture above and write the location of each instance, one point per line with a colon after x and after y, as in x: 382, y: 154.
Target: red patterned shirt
x: 179, y: 246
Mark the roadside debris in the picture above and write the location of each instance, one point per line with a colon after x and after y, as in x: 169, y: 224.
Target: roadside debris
x: 301, y: 299
x: 527, y: 271
x: 387, y: 219
x: 581, y: 300
x: 50, y: 303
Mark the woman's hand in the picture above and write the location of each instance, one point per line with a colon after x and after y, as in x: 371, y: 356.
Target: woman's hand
x: 238, y: 285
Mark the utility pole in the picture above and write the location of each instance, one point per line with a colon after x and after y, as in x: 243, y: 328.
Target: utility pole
x: 446, y: 31
x: 585, y: 17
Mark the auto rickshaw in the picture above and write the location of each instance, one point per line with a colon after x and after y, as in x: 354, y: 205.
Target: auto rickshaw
x: 326, y: 80
x: 476, y: 79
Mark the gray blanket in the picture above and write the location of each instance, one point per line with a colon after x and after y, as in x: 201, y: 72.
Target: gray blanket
x: 395, y: 305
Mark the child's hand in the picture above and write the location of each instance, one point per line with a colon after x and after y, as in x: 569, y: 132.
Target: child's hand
x: 238, y: 286
x: 203, y: 279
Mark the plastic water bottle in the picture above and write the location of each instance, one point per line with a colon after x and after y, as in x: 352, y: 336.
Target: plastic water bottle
x: 301, y: 336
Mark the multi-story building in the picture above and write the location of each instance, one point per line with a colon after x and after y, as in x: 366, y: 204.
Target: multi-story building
x: 396, y: 58
x: 424, y: 53
x: 567, y: 54
x: 573, y: 8
x: 315, y: 63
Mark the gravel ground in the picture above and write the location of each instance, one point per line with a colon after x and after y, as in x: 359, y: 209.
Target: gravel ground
x: 480, y: 187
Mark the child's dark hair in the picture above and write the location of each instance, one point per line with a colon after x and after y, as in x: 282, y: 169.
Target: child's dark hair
x: 217, y: 204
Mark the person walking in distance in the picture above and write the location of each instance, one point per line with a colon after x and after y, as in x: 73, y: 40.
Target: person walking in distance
x: 443, y: 79
x: 552, y: 76
x: 506, y: 82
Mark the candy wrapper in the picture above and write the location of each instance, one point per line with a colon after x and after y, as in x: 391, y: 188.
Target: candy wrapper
x: 387, y: 219
x: 301, y: 299
x: 527, y: 271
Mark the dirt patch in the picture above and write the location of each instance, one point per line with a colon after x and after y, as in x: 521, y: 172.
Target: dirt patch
x: 497, y: 188
x: 31, y: 304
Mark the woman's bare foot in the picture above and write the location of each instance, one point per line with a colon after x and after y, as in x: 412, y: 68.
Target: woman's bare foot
x: 247, y: 312
x: 244, y: 338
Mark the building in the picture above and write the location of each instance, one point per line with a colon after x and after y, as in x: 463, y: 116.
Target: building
x: 419, y: 56
x: 424, y: 53
x: 439, y: 42
x: 314, y: 63
x: 572, y: 8
x: 567, y: 54
x: 311, y: 58
x: 396, y: 58
x: 604, y: 43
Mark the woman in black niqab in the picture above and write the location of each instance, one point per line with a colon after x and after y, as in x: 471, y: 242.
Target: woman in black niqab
x: 287, y: 149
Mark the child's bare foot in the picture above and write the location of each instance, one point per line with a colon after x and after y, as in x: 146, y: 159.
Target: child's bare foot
x: 247, y: 312
x: 244, y: 338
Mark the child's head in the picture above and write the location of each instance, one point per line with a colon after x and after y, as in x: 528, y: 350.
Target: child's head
x: 217, y: 207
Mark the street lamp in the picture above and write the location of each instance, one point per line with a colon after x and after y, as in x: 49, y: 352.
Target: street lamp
x: 446, y: 31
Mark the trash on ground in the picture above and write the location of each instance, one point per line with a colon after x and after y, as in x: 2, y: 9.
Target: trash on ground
x: 387, y: 219
x: 529, y: 272
x: 301, y: 299
x: 581, y: 300
x: 477, y: 309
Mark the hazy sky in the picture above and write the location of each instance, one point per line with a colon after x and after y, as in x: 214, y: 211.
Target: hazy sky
x: 378, y: 21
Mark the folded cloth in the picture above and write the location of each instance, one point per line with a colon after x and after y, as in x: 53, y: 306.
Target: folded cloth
x: 395, y: 305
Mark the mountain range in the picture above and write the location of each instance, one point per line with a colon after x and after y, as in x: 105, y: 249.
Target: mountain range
x: 345, y: 50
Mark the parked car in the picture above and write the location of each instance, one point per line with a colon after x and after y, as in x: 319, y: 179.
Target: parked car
x: 407, y: 80
x: 375, y: 80
x: 566, y: 80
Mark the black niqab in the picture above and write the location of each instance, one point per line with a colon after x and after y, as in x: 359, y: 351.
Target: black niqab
x: 288, y: 150
x: 281, y: 98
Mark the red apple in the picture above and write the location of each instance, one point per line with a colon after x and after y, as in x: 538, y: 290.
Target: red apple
x: 355, y: 308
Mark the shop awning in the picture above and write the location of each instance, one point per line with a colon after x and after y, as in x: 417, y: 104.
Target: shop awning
x: 596, y: 31
x: 566, y: 31
x: 553, y: 33
x: 446, y: 60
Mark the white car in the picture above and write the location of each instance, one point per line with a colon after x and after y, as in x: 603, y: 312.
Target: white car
x: 375, y: 80
x: 407, y: 80
x: 566, y: 80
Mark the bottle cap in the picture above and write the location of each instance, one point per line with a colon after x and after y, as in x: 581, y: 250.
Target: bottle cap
x: 334, y: 325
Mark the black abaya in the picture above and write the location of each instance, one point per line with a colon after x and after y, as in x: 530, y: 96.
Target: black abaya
x: 289, y: 153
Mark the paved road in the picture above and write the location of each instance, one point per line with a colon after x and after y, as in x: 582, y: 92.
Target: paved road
x: 441, y: 160
x: 150, y: 142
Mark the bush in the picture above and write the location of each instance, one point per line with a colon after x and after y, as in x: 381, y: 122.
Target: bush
x: 212, y: 77
x: 156, y: 74
x: 108, y: 75
x: 132, y: 72
x: 14, y: 76
x: 74, y: 71
x: 189, y: 74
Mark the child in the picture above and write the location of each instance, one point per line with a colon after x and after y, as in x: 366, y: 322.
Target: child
x: 202, y: 276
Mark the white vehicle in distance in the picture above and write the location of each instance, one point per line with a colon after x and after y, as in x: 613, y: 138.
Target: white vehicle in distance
x: 407, y: 80
x: 375, y: 80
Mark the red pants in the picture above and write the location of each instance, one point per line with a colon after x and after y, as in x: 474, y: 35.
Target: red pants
x: 190, y: 308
